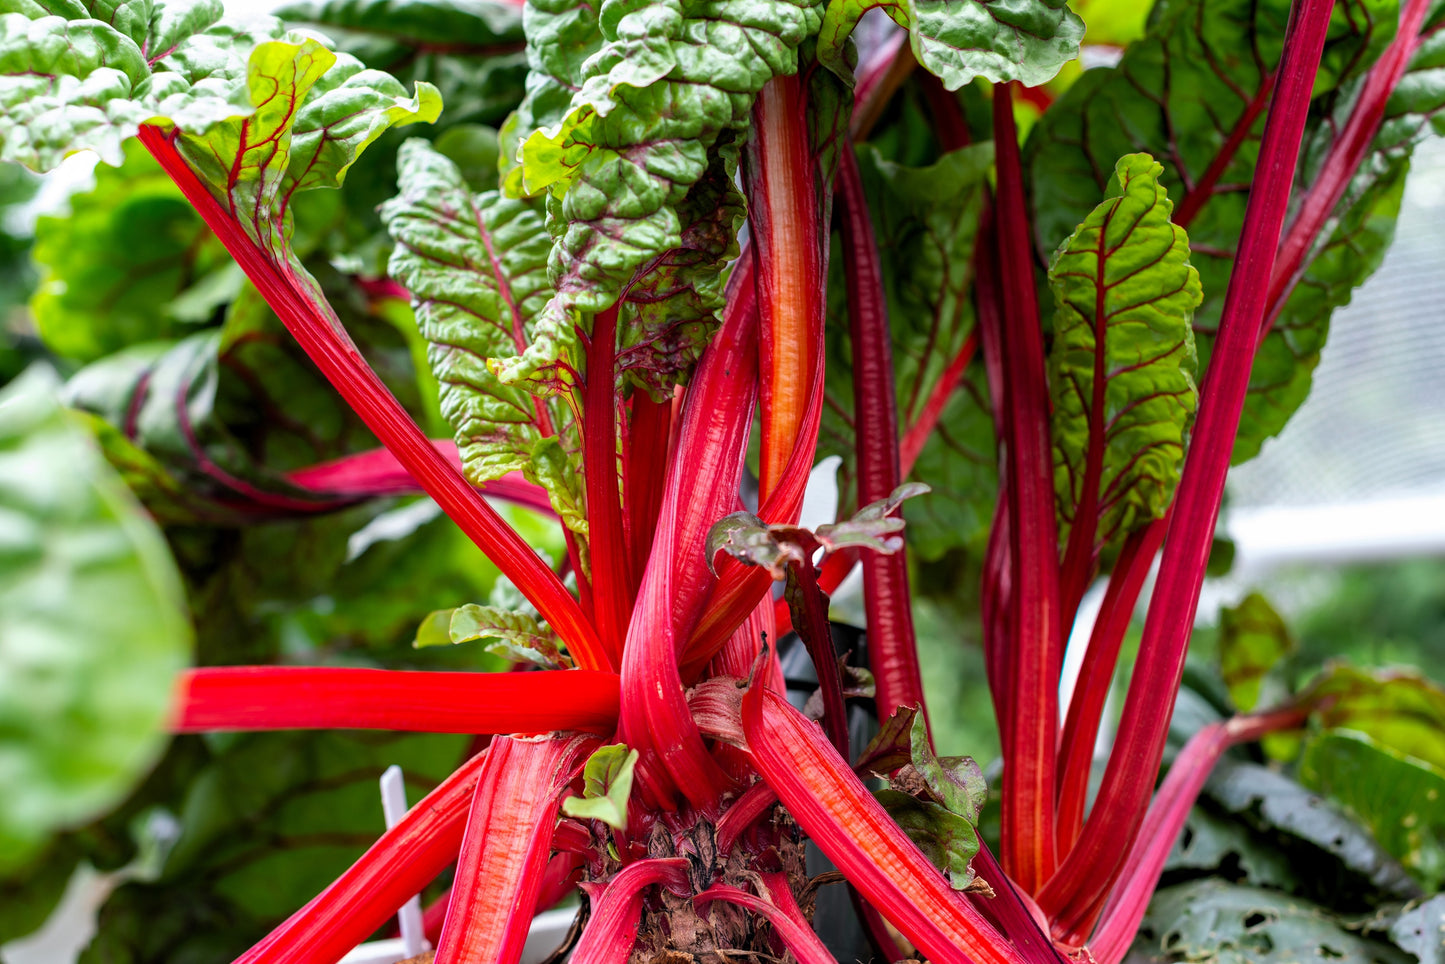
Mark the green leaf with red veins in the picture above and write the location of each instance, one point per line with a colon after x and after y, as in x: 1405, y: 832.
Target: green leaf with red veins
x: 476, y: 268
x: 892, y: 747
x: 1121, y: 370
x: 1209, y: 69
x: 753, y: 542
x: 948, y: 840
x: 874, y: 526
x: 518, y: 637
x: 606, y: 787
x: 956, y: 782
x: 958, y: 40
x: 1252, y: 640
x: 648, y: 96
x: 672, y: 307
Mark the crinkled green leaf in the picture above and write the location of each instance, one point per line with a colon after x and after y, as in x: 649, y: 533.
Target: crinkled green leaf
x: 948, y: 840
x: 672, y: 306
x: 476, y: 268
x: 1192, y: 93
x: 472, y: 52
x: 925, y: 221
x: 648, y: 90
x: 872, y: 527
x: 956, y: 782
x: 515, y: 636
x: 1252, y: 640
x: 606, y: 786
x: 892, y: 746
x: 1214, y: 922
x: 1401, y: 799
x: 958, y: 40
x: 1121, y: 369
x: 92, y: 626
x: 131, y: 262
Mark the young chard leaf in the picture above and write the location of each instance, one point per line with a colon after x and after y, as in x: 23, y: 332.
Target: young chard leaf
x: 606, y: 787
x: 476, y: 268
x: 515, y: 636
x: 1121, y: 367
x: 957, y: 42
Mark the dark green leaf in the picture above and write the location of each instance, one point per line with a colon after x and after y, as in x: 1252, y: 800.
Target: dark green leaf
x: 1214, y: 922
x: 92, y: 629
x: 948, y: 840
x: 958, y: 41
x: 1125, y: 292
x: 1192, y: 94
x: 1399, y: 798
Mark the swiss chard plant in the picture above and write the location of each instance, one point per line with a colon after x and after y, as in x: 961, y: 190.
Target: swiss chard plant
x: 649, y: 264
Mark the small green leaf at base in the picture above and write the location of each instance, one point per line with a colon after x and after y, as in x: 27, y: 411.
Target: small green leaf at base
x: 606, y: 785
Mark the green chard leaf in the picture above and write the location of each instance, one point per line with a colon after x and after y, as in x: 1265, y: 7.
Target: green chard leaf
x: 958, y: 41
x: 1253, y: 639
x: 476, y: 267
x: 1124, y: 291
x: 92, y: 626
x: 606, y: 786
x: 1206, y: 69
x: 132, y: 262
x: 926, y: 223
x: 1398, y: 709
x: 624, y: 120
x: 518, y: 637
x: 472, y: 52
x: 1400, y: 799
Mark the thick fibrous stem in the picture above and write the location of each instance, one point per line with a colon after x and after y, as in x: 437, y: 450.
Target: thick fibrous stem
x: 611, y: 594
x: 892, y: 650
x: 1093, y: 866
x: 1035, y: 650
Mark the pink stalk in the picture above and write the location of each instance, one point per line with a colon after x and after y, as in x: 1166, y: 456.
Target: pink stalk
x: 919, y: 430
x: 1343, y: 161
x: 612, y: 931
x: 1097, y: 859
x: 645, y: 479
x: 377, y: 473
x: 1086, y: 708
x: 817, y: 637
x: 745, y: 812
x: 878, y: 80
x: 1035, y: 652
x: 1124, y: 908
x: 611, y: 592
x: 559, y: 879
x: 400, y: 864
x: 836, y: 810
x: 892, y: 649
x: 306, y: 697
x: 1011, y: 911
x: 779, y: 909
x: 321, y: 335
x: 505, y: 849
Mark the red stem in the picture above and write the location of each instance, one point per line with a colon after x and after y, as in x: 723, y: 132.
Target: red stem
x: 505, y: 849
x: 321, y: 335
x: 645, y: 478
x: 892, y: 649
x: 406, y: 858
x: 818, y: 638
x: 1343, y: 161
x: 612, y: 930
x: 1097, y: 860
x: 1124, y: 908
x: 1086, y: 708
x: 917, y: 434
x: 305, y: 697
x: 778, y: 909
x: 1035, y: 654
x: 611, y: 594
